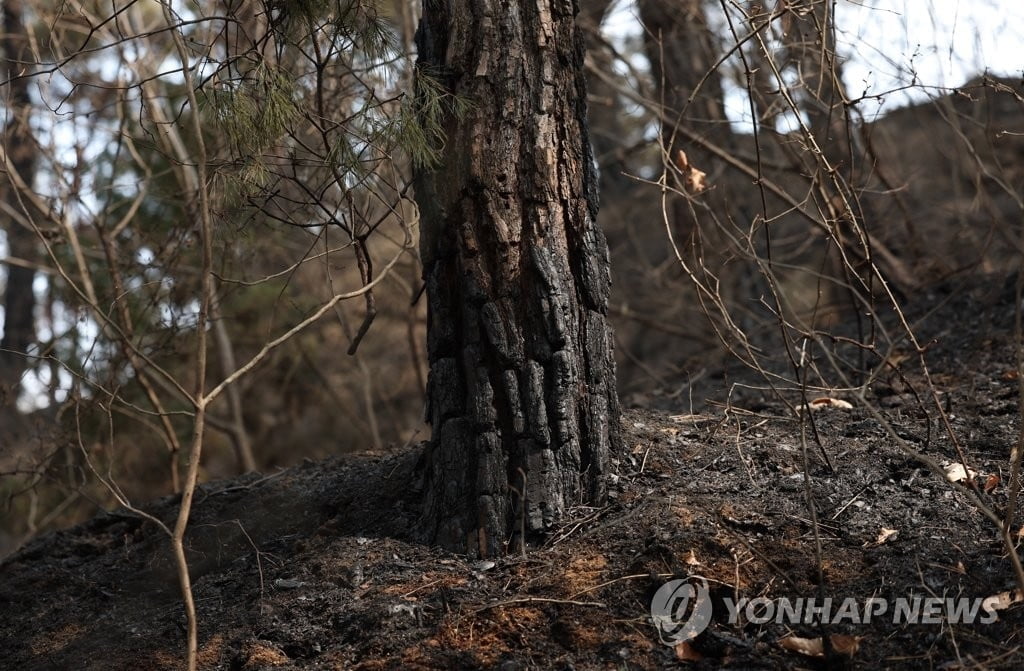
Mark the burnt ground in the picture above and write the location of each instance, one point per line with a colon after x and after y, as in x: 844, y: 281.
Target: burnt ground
x: 311, y: 568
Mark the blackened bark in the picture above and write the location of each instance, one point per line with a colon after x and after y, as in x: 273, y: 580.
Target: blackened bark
x: 521, y: 395
x: 19, y: 299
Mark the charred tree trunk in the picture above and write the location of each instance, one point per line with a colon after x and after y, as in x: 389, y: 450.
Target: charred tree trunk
x: 521, y: 394
x: 19, y: 299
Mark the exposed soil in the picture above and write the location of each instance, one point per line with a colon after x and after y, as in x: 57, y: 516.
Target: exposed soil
x: 314, y: 567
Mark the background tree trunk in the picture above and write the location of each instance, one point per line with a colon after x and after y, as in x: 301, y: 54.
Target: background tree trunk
x: 608, y: 122
x: 682, y: 50
x: 19, y: 299
x: 521, y: 394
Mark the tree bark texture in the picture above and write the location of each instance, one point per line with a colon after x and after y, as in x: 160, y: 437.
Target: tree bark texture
x: 19, y: 299
x: 521, y: 393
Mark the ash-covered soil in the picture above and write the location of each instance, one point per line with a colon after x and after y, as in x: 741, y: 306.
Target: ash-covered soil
x: 313, y: 567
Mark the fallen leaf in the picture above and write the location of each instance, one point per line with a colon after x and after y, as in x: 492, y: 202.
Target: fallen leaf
x: 885, y: 535
x: 957, y: 473
x: 845, y: 644
x: 828, y: 402
x: 1002, y: 601
x: 991, y: 482
x: 686, y: 653
x: 814, y: 647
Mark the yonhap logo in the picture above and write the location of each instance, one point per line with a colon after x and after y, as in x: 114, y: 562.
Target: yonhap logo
x: 681, y: 609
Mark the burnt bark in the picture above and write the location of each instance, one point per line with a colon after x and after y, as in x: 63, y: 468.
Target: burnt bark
x: 521, y: 393
x: 19, y: 299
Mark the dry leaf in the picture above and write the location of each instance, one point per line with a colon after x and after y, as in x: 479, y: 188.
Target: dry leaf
x: 957, y: 473
x: 1002, y: 601
x: 845, y: 644
x: 686, y: 653
x: 991, y: 482
x: 885, y: 535
x: 693, y: 178
x: 814, y: 647
x: 828, y: 402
